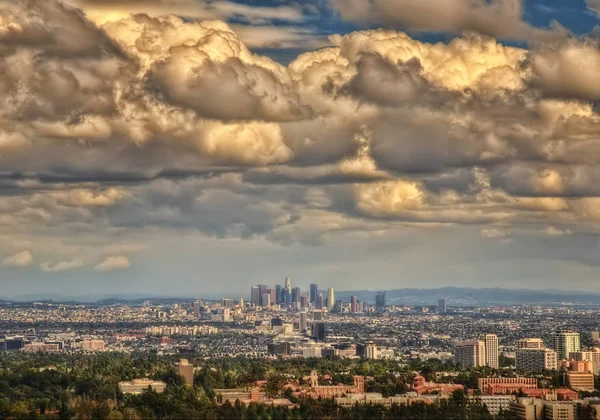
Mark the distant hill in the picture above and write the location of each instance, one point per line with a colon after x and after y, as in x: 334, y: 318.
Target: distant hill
x: 455, y: 296
x: 463, y: 296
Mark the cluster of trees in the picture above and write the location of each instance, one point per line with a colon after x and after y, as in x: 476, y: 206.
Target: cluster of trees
x: 60, y: 386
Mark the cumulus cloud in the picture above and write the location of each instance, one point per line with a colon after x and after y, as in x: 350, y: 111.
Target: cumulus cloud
x: 61, y: 265
x: 492, y: 233
x: 156, y: 121
x: 568, y: 70
x: 20, y: 259
x: 556, y: 231
x: 497, y: 18
x: 115, y: 262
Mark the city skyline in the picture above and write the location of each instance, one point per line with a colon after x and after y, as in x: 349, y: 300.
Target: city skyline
x: 211, y: 145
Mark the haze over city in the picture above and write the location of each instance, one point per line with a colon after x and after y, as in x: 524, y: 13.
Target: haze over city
x: 189, y: 147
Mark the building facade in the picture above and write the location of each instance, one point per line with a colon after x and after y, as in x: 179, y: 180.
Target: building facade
x: 470, y: 353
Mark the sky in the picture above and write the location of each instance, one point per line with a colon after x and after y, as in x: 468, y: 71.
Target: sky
x: 194, y: 147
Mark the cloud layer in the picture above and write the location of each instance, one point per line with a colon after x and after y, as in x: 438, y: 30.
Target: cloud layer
x: 120, y: 124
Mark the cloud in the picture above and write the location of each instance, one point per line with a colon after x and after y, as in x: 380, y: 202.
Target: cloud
x: 567, y: 70
x: 116, y: 262
x: 160, y: 125
x: 20, y: 259
x: 555, y: 231
x: 492, y: 233
x: 61, y: 265
x: 498, y: 18
x: 593, y: 5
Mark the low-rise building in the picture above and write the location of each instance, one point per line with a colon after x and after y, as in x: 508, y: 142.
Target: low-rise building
x: 137, y: 386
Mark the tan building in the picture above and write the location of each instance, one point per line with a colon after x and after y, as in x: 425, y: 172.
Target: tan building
x: 536, y: 359
x: 470, y: 353
x: 530, y: 343
x: 92, y: 345
x: 528, y: 408
x: 185, y: 369
x: 580, y: 381
x: 558, y: 411
x: 494, y: 403
x: 137, y: 386
x: 491, y: 349
x: 40, y: 347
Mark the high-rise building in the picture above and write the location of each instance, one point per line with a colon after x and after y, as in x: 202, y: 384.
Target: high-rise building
x: 304, y: 302
x: 295, y: 294
x: 303, y: 321
x: 313, y: 293
x: 266, y: 300
x: 371, y: 350
x: 288, y: 284
x: 530, y: 343
x: 226, y: 315
x: 470, y: 353
x: 278, y: 294
x: 226, y: 303
x: 287, y: 299
x: 491, y: 349
x: 565, y: 342
x: 535, y: 359
x: 272, y: 295
x: 354, y: 304
x: 442, y: 306
x: 262, y: 290
x: 255, y: 295
x: 318, y: 331
x: 338, y: 305
x: 197, y: 309
x: 380, y: 302
x: 319, y: 302
x: 317, y: 315
x: 330, y: 298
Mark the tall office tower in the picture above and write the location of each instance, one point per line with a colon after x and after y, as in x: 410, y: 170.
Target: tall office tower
x: 319, y: 302
x: 278, y: 294
x: 241, y: 302
x: 318, y: 331
x: 288, y: 297
x: 295, y: 294
x: 288, y: 284
x: 491, y: 349
x: 530, y: 343
x: 441, y: 306
x: 535, y: 359
x: 273, y: 295
x: 266, y: 300
x: 470, y: 353
x: 565, y: 342
x: 354, y: 304
x: 197, y: 309
x: 227, y: 303
x: 262, y: 290
x: 303, y: 321
x: 380, y: 302
x: 304, y: 302
x: 313, y: 293
x: 330, y: 299
x: 338, y: 305
x: 255, y: 295
x: 317, y: 315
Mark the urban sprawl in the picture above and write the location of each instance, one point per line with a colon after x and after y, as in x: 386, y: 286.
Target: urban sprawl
x: 522, y: 362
